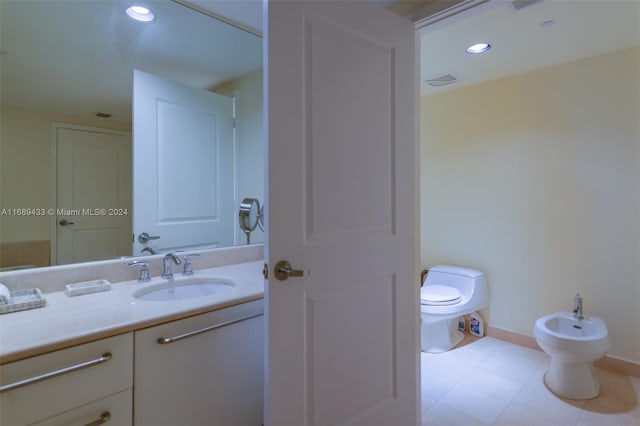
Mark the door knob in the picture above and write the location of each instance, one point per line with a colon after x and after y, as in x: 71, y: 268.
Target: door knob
x: 144, y: 238
x: 65, y: 222
x: 284, y: 270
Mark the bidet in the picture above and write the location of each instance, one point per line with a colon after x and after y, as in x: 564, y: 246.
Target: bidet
x: 573, y: 344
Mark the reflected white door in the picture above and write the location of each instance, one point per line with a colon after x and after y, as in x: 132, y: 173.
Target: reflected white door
x: 93, y: 220
x: 182, y: 166
x: 342, y: 341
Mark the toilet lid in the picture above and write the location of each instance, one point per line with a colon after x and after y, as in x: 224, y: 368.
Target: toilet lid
x: 439, y: 295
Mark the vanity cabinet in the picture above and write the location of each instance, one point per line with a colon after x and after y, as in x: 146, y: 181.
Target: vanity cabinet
x: 202, y: 370
x: 84, y: 384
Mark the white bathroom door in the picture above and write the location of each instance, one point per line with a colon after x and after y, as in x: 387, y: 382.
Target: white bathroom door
x: 182, y: 166
x: 93, y: 194
x: 342, y: 340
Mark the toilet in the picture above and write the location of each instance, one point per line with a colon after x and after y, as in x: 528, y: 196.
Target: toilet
x: 447, y: 293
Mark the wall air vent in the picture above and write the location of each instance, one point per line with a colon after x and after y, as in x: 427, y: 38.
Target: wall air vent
x: 521, y: 4
x: 443, y: 79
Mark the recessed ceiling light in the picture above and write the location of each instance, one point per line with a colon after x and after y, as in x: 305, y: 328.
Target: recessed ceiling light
x: 478, y: 48
x: 140, y: 13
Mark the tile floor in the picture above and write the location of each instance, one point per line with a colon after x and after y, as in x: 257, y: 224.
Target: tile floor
x: 486, y: 381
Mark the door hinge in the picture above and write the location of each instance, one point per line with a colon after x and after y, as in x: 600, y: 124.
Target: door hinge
x: 265, y: 271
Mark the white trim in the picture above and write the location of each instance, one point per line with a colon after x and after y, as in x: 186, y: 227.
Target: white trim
x: 460, y: 11
x: 220, y: 18
x: 235, y: 95
x: 53, y: 219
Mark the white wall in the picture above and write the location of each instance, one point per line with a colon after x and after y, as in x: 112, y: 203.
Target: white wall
x: 249, y: 141
x: 535, y: 179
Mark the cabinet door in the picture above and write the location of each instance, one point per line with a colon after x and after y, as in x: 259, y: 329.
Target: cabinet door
x: 74, y: 377
x: 113, y: 410
x: 208, y: 378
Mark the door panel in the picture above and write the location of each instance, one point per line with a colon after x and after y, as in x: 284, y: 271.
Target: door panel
x: 93, y: 195
x: 342, y: 339
x: 333, y: 151
x: 183, y: 165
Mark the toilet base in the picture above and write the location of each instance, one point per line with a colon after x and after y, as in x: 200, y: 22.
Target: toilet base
x: 439, y: 336
x: 573, y: 381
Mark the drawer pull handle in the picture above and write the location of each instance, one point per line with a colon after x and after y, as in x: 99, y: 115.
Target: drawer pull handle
x: 104, y: 358
x: 165, y: 340
x: 104, y: 417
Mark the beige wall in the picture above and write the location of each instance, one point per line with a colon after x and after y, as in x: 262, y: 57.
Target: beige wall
x: 535, y: 179
x: 25, y: 167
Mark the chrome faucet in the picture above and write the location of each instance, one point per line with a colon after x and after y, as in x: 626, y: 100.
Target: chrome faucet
x: 166, y: 262
x: 577, y: 307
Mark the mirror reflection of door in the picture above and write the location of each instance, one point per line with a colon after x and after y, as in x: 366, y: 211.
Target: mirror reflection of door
x: 92, y: 220
x: 88, y: 82
x: 182, y: 166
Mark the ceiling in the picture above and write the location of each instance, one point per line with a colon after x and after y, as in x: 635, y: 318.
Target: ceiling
x: 245, y: 14
x: 77, y: 57
x: 85, y: 54
x: 580, y: 29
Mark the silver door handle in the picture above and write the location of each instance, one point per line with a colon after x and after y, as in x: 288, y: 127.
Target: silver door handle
x: 284, y: 270
x: 144, y: 238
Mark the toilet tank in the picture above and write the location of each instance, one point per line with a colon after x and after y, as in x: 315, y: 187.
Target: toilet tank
x: 467, y: 281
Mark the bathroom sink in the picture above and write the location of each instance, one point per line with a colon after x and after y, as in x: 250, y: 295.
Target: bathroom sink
x: 183, y: 289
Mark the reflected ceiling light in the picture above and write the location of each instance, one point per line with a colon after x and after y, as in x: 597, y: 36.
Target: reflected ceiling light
x: 140, y: 13
x: 478, y: 48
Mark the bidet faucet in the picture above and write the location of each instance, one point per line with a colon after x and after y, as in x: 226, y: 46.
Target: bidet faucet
x: 577, y: 307
x: 166, y: 263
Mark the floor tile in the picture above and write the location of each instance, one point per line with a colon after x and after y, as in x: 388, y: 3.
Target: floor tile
x: 512, y: 364
x: 493, y: 385
x: 442, y: 415
x: 474, y: 403
x: 486, y: 381
x: 589, y: 418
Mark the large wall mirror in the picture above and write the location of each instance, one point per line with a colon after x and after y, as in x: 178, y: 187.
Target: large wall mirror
x: 70, y: 158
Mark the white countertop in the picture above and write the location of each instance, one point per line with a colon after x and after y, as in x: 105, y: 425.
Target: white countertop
x: 66, y: 321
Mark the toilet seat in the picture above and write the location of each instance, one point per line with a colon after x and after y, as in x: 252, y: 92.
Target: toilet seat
x: 439, y: 295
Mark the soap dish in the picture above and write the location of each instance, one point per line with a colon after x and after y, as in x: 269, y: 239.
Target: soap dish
x: 24, y: 299
x: 78, y: 289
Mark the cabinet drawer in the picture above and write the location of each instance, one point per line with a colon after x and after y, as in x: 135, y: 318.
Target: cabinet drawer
x: 114, y: 410
x: 69, y: 378
x: 202, y: 370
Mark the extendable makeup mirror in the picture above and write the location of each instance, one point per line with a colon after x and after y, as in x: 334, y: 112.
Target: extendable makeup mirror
x: 250, y: 216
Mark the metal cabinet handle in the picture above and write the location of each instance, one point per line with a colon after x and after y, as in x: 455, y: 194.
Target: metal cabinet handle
x: 165, y: 340
x: 104, y: 417
x: 144, y: 238
x: 65, y: 222
x: 104, y: 358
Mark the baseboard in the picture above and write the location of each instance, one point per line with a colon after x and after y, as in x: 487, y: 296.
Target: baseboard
x: 610, y: 363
